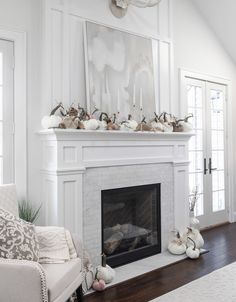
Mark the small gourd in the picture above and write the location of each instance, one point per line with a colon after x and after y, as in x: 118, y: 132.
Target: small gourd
x: 144, y: 126
x: 52, y: 121
x: 99, y: 285
x: 177, y: 245
x: 187, y: 126
x: 91, y: 124
x: 191, y: 251
x: 104, y: 271
x: 156, y: 124
x: 195, y: 235
x: 129, y: 124
x: 102, y: 122
x: 167, y: 124
x: 112, y: 125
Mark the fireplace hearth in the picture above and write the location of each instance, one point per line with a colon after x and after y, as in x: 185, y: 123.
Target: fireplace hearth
x: 131, y: 223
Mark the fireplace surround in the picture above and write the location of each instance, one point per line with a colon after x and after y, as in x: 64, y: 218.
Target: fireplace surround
x: 78, y: 165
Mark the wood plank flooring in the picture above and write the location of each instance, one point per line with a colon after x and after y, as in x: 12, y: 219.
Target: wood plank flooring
x: 221, y: 243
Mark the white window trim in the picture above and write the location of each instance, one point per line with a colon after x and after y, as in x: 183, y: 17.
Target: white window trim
x: 20, y: 109
x: 183, y: 74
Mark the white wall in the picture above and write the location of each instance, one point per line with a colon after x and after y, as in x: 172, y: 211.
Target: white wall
x: 196, y: 48
x: 59, y: 24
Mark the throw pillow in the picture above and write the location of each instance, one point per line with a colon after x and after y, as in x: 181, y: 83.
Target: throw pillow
x: 70, y: 243
x: 18, y: 239
x: 53, y: 247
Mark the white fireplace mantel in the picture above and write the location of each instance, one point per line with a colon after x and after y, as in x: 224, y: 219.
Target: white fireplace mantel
x: 67, y: 154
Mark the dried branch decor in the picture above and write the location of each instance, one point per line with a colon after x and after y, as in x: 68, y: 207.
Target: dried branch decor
x: 76, y: 117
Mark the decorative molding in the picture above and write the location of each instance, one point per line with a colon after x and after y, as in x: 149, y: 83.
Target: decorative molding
x: 112, y: 150
x: 97, y: 135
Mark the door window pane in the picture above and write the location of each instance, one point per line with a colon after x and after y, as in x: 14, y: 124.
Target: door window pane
x: 195, y: 142
x: 217, y: 119
x: 196, y: 181
x: 1, y: 71
x: 217, y: 140
x: 199, y: 206
x: 218, y: 201
x: 218, y: 159
x: 217, y: 99
x: 1, y: 97
x: 1, y: 170
x: 194, y: 96
x: 218, y: 182
x: 196, y: 161
x: 6, y: 112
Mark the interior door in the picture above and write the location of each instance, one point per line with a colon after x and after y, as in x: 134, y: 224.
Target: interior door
x: 6, y: 111
x: 207, y: 102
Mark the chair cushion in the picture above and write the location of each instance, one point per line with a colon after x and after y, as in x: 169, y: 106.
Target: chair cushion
x: 18, y: 239
x: 8, y: 199
x: 60, y: 276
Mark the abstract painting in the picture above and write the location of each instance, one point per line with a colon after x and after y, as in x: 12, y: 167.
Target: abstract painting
x: 120, y: 76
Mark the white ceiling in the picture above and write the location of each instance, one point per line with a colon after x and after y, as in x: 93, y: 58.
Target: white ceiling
x: 221, y: 16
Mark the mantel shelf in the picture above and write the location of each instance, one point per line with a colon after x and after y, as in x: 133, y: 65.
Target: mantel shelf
x: 96, y: 135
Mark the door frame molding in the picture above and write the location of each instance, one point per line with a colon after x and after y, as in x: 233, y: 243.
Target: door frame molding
x: 20, y: 105
x: 183, y: 74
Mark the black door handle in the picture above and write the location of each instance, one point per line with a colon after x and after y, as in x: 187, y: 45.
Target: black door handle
x: 210, y: 166
x: 205, y: 167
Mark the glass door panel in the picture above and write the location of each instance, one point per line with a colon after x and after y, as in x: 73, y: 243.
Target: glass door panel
x: 195, y: 94
x: 217, y: 166
x: 6, y: 112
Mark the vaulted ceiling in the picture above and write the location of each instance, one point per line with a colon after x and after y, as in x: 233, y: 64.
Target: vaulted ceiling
x: 221, y: 16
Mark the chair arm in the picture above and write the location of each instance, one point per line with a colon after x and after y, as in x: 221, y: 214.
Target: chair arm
x: 22, y: 281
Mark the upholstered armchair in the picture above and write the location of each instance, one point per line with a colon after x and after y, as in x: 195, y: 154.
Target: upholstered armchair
x: 27, y: 281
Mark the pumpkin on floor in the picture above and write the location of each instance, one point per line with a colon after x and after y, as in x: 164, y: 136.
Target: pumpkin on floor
x: 177, y: 245
x: 192, y: 252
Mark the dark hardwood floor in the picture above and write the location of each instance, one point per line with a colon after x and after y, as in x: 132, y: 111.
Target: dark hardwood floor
x: 221, y: 243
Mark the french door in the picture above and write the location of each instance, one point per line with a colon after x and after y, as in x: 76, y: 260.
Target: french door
x: 6, y: 112
x: 207, y: 150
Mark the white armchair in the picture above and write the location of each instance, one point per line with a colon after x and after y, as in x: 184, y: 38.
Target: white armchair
x: 27, y: 281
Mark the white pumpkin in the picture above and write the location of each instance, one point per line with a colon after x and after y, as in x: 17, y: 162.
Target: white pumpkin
x: 177, y: 245
x: 166, y: 120
x: 187, y: 126
x: 158, y: 126
x: 132, y: 124
x: 192, y: 252
x: 102, y: 125
x: 168, y: 127
x: 124, y: 127
x: 51, y: 121
x: 105, y: 273
x: 129, y: 125
x: 195, y: 235
x: 91, y: 124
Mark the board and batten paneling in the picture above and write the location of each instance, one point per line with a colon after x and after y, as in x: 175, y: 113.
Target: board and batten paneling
x: 65, y: 76
x: 56, y: 54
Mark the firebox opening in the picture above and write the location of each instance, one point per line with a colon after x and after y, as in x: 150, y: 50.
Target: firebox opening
x: 131, y: 223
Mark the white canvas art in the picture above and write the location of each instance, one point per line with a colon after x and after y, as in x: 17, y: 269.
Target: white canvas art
x: 120, y: 75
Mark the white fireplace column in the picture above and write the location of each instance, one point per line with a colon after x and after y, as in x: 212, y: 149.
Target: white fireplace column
x: 67, y: 154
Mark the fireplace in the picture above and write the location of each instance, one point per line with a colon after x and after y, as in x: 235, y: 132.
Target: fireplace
x: 131, y: 223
